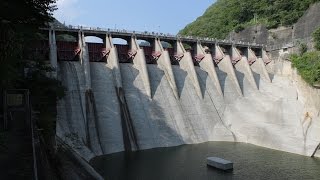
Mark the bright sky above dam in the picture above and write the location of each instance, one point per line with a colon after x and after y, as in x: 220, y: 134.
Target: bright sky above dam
x: 166, y: 16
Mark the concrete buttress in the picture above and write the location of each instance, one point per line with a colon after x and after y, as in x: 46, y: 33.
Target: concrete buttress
x: 164, y: 64
x: 243, y: 67
x: 113, y: 61
x: 207, y: 65
x: 218, y: 53
x: 84, y: 60
x: 53, y: 52
x: 226, y: 65
x: 91, y: 119
x: 265, y: 62
x: 259, y: 67
x: 139, y: 61
x: 186, y: 63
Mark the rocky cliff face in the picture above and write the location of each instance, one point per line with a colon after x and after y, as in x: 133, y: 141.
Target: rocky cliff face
x: 307, y: 23
x: 281, y: 36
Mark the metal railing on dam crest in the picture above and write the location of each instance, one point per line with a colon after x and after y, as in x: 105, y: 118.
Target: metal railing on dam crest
x: 147, y: 34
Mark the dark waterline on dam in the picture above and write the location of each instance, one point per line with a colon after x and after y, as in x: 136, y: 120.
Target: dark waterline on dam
x: 189, y: 162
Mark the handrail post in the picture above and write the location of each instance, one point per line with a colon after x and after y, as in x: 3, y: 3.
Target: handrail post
x: 315, y: 151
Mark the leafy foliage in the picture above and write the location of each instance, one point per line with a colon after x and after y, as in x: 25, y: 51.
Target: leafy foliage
x: 43, y: 88
x: 19, y: 25
x: 44, y: 92
x: 308, y: 63
x: 19, y: 22
x: 225, y: 16
x: 316, y: 39
x: 27, y: 13
x: 308, y: 66
x: 303, y: 48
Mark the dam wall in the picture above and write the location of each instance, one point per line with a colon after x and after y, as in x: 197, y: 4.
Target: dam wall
x: 135, y: 99
x: 281, y: 115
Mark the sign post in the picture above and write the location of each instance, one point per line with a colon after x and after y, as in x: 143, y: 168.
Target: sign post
x: 16, y: 101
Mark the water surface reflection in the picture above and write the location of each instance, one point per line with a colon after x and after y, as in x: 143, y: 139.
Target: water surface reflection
x: 189, y: 162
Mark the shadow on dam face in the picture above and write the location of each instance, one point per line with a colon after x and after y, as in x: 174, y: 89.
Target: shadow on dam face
x: 160, y: 121
x: 72, y: 110
x: 154, y: 121
x: 128, y: 131
x: 180, y: 78
x: 203, y: 76
x: 271, y: 76
x: 222, y: 76
x: 153, y: 127
x: 257, y: 78
x: 241, y: 79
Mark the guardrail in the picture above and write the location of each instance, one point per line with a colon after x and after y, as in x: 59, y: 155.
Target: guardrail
x: 157, y: 34
x: 293, y: 43
x: 77, y: 158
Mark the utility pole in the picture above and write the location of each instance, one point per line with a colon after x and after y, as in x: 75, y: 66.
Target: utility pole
x: 256, y: 27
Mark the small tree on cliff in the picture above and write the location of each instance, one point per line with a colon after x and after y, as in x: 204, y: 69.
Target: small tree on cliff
x: 316, y: 38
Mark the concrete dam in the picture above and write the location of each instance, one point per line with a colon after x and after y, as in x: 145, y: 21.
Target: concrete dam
x: 131, y: 97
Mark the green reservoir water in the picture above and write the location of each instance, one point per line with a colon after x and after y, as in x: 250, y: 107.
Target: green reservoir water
x: 189, y: 162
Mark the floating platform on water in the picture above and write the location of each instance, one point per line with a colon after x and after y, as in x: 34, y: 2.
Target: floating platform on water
x: 219, y: 163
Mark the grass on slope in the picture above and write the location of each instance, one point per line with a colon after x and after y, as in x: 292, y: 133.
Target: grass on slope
x: 308, y: 66
x: 308, y: 63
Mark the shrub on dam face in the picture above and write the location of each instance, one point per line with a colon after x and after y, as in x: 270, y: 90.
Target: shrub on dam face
x: 308, y: 66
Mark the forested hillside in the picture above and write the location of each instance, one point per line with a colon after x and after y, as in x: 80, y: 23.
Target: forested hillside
x: 225, y: 16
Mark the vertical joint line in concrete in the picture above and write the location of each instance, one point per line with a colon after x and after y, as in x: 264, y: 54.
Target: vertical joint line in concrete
x: 53, y: 52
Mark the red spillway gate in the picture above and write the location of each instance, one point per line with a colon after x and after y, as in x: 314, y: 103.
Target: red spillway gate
x: 172, y: 55
x: 68, y: 51
x: 97, y: 52
x: 148, y: 52
x: 123, y: 51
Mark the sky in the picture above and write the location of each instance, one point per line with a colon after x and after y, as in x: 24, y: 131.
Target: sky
x: 166, y: 16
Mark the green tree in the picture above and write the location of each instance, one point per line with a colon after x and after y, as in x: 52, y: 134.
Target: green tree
x: 19, y: 25
x: 308, y: 66
x: 19, y: 22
